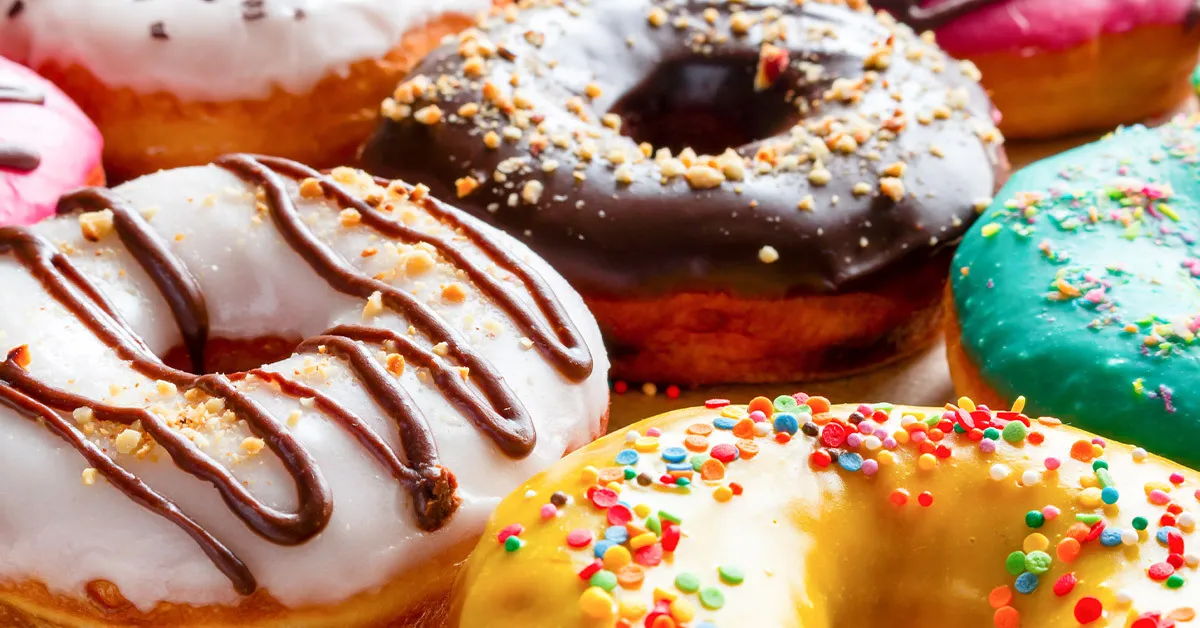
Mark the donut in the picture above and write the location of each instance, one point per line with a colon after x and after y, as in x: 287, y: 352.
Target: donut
x: 741, y: 192
x: 47, y: 146
x: 790, y: 513
x: 1082, y: 277
x: 1057, y: 68
x: 437, y: 363
x: 181, y: 83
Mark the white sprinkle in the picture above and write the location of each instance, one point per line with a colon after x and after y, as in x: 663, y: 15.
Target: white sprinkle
x: 1124, y: 598
x: 1139, y: 454
x: 1129, y: 537
x: 530, y: 494
x: 631, y: 436
x: 1000, y: 472
x: 1031, y: 478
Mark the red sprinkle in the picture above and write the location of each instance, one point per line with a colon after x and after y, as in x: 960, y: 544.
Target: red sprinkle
x: 943, y: 452
x: 736, y: 488
x: 1175, y: 542
x: 512, y: 529
x: 672, y: 392
x: 833, y: 435
x: 605, y: 498
x: 579, y: 537
x: 1094, y: 533
x: 783, y: 438
x: 587, y: 572
x: 713, y: 404
x: 1177, y: 479
x: 724, y: 452
x: 1166, y: 521
x: 925, y: 499
x: 1176, y: 561
x: 821, y: 458
x: 1065, y: 584
x: 1088, y: 610
x: 670, y: 538
x: 619, y: 515
x: 648, y: 555
x: 620, y: 387
x: 1161, y: 571
x: 1150, y: 620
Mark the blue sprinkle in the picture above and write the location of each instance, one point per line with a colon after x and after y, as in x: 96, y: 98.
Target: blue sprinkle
x: 785, y: 422
x: 1164, y: 532
x: 627, y: 456
x: 1110, y: 495
x: 600, y: 547
x: 680, y: 466
x: 850, y: 461
x: 1110, y: 538
x: 1027, y: 583
x: 724, y: 423
x: 616, y: 534
x: 674, y: 454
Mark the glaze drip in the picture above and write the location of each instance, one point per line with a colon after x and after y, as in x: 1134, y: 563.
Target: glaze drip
x: 491, y: 406
x: 17, y: 156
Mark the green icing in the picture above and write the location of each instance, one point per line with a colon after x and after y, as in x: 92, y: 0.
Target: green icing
x: 1080, y: 288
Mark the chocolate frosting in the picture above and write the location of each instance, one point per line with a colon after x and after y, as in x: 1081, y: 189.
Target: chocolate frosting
x: 621, y: 227
x: 490, y: 404
x: 18, y: 156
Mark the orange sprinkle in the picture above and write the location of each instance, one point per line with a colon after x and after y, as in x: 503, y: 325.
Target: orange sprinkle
x: 631, y: 576
x: 936, y: 435
x: 663, y: 621
x: 1007, y: 617
x: 819, y: 405
x: 1036, y: 438
x: 1068, y: 550
x: 1183, y: 613
x: 1079, y: 531
x: 736, y: 488
x: 712, y: 469
x: 1082, y: 451
x: 611, y: 474
x: 762, y: 404
x: 744, y: 428
x: 700, y: 429
x: 695, y: 443
x: 747, y: 448
x: 1000, y: 596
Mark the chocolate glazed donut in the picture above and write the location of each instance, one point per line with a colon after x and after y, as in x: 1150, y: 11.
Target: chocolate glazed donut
x: 850, y: 156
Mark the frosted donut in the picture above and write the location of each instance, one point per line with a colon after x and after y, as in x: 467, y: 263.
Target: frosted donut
x: 1056, y: 68
x: 180, y: 83
x: 742, y: 192
x: 338, y: 486
x: 47, y: 146
x: 795, y: 515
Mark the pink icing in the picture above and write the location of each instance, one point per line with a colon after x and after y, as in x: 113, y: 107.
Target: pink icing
x: 1031, y: 26
x: 69, y: 144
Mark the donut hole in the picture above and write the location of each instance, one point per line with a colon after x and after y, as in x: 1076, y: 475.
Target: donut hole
x: 707, y: 105
x: 233, y: 355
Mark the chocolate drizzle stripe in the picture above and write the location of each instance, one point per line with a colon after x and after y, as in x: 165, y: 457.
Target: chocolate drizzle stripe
x: 177, y: 285
x: 130, y: 485
x: 16, y: 156
x: 493, y: 408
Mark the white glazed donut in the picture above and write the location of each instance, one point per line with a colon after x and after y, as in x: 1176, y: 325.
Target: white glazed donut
x: 494, y: 355
x: 192, y: 68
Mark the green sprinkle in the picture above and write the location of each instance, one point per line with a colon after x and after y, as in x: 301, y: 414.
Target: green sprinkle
x: 687, y: 582
x: 513, y: 543
x: 682, y: 481
x: 959, y: 429
x: 604, y: 579
x: 991, y: 433
x: 630, y: 473
x: 1015, y: 563
x: 1105, y: 477
x: 1038, y: 563
x: 731, y: 574
x: 785, y: 403
x: 1015, y: 432
x: 1175, y: 581
x: 653, y: 525
x: 1035, y: 519
x: 1099, y: 464
x: 1140, y: 523
x: 1089, y: 519
x: 712, y: 599
x: 698, y: 461
x: 666, y: 516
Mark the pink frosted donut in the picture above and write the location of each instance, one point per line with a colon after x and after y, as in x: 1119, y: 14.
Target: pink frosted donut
x: 1057, y: 67
x: 47, y: 146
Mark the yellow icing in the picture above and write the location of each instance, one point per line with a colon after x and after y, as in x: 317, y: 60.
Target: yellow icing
x: 826, y: 547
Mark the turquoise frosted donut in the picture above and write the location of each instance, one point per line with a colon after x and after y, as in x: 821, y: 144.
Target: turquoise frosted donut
x: 1080, y: 288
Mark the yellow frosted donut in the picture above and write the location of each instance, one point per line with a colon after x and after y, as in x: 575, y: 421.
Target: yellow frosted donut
x: 788, y: 512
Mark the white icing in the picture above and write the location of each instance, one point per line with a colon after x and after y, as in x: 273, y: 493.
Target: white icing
x: 213, y: 53
x: 55, y: 529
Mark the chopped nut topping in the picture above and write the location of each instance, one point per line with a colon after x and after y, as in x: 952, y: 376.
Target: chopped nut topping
x: 89, y: 476
x: 310, y: 188
x: 252, y: 445
x: 657, y: 17
x: 442, y: 349
x: 454, y: 292
x: 465, y: 185
x: 293, y: 418
x: 127, y: 441
x: 165, y: 388
x: 395, y: 364
x: 428, y: 115
x: 96, y: 225
x: 83, y: 416
x: 704, y: 177
x: 418, y: 263
x: 374, y: 305
x: 768, y: 255
x: 892, y: 187
x: 531, y: 192
x: 350, y: 218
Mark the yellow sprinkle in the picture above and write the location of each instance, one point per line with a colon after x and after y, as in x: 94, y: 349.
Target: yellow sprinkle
x: 966, y: 404
x: 616, y: 486
x: 596, y: 603
x: 1168, y: 211
x: 646, y: 444
x: 1097, y: 450
x: 642, y: 540
x: 722, y: 493
x: 734, y: 412
x: 901, y: 436
x: 1088, y: 481
x: 589, y: 475
x: 1019, y: 404
x: 630, y: 609
x: 1090, y: 498
x: 617, y: 557
x: 1036, y: 543
x: 885, y: 458
x: 642, y: 510
x: 927, y: 462
x: 1157, y: 486
x: 1139, y: 386
x: 663, y: 595
x: 682, y: 611
x: 990, y: 229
